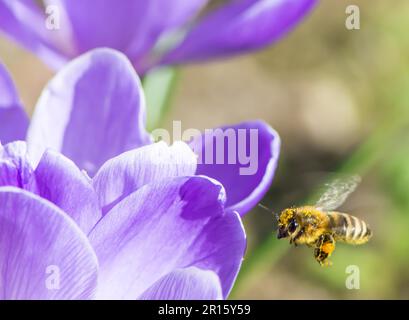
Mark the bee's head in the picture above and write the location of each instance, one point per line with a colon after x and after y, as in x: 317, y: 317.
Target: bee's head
x: 287, y: 223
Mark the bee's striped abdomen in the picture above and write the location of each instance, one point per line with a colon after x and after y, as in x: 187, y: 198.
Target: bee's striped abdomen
x: 349, y: 228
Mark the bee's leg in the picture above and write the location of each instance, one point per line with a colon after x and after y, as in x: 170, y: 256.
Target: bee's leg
x: 324, y: 246
x: 294, y: 239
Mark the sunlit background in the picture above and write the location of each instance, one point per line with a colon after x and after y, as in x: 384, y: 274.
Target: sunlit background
x: 340, y: 101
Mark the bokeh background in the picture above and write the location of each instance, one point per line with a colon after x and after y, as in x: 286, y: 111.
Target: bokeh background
x: 340, y: 102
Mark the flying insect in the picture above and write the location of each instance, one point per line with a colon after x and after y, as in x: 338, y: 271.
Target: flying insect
x: 320, y: 227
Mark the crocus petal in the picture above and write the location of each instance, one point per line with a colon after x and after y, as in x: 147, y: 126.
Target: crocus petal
x: 60, y: 181
x: 8, y: 174
x: 132, y: 27
x: 56, y: 179
x: 15, y: 167
x: 13, y: 119
x: 243, y: 158
x: 184, y: 284
x: 43, y: 254
x: 173, y: 224
x: 91, y: 111
x: 23, y: 21
x: 131, y: 170
x: 238, y: 27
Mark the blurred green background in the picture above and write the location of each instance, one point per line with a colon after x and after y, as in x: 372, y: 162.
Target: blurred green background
x: 340, y: 101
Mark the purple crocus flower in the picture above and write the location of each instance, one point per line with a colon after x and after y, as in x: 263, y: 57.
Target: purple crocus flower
x: 148, y: 221
x: 149, y: 32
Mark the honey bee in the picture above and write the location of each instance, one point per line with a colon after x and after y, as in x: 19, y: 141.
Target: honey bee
x: 320, y: 227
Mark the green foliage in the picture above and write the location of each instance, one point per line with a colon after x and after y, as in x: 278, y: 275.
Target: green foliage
x: 159, y: 85
x: 374, y: 62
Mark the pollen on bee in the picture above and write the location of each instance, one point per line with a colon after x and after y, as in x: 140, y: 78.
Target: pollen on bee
x: 328, y: 248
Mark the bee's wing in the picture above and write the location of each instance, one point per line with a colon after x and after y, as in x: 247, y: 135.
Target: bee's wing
x: 337, y: 192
